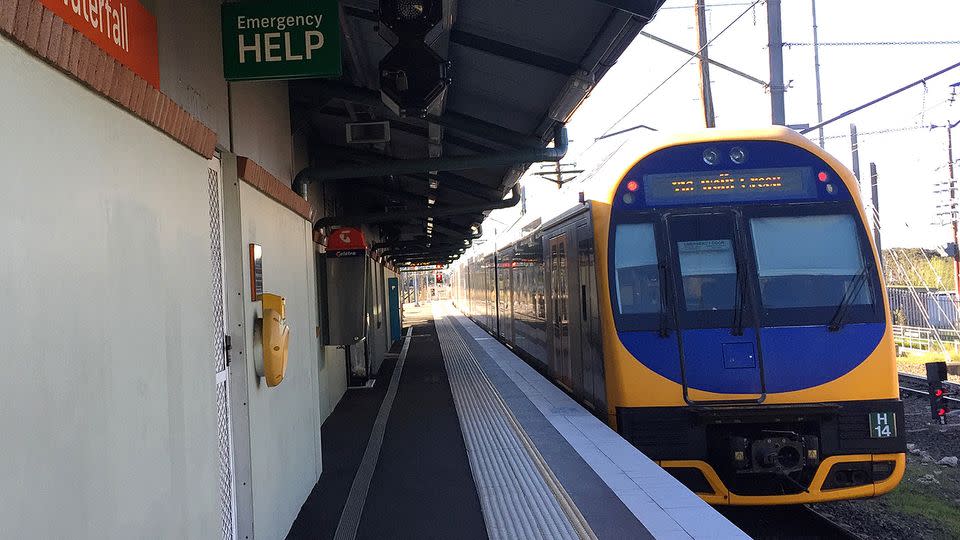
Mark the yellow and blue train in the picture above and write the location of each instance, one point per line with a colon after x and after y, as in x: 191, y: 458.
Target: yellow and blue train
x: 723, y: 309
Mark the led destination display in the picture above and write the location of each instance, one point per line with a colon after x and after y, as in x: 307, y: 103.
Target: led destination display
x: 793, y: 183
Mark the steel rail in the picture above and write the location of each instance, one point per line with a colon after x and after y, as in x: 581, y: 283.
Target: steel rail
x: 917, y: 380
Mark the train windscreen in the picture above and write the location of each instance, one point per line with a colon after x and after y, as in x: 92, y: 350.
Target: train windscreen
x: 637, y: 273
x: 744, y: 232
x: 808, y: 261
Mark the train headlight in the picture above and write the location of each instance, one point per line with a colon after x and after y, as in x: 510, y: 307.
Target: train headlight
x: 711, y: 156
x: 738, y: 155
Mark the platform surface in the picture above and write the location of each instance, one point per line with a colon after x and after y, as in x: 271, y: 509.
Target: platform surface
x: 460, y: 438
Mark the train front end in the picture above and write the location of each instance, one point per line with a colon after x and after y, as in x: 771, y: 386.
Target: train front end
x: 747, y: 337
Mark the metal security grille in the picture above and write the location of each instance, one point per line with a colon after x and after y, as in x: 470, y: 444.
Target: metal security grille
x: 224, y: 442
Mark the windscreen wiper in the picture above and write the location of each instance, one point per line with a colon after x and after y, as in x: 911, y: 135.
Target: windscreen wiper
x: 855, y: 286
x: 663, y: 331
x: 739, y: 291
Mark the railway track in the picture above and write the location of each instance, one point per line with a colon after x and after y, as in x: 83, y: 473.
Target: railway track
x: 787, y: 522
x: 917, y: 386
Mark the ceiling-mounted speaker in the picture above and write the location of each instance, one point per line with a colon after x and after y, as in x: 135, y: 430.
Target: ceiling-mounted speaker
x: 368, y: 132
x: 410, y: 19
x: 413, y: 79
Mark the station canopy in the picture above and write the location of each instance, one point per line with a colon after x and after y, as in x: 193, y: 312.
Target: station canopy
x: 442, y: 106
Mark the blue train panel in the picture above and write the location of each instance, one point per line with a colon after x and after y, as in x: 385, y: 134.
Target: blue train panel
x: 742, y: 267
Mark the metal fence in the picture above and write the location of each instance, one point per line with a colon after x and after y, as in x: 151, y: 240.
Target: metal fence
x: 916, y: 338
x: 924, y: 308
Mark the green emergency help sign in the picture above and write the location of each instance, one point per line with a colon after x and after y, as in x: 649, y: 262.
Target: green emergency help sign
x: 290, y: 39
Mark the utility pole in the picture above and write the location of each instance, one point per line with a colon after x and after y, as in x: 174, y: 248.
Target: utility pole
x: 855, y: 151
x: 416, y: 289
x: 875, y: 201
x: 775, y: 50
x: 953, y: 209
x: 706, y: 95
x: 559, y: 173
x: 816, y: 67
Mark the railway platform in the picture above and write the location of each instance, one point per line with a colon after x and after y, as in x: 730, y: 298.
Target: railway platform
x: 459, y: 438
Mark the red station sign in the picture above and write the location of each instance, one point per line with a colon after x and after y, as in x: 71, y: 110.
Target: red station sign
x: 346, y: 242
x: 124, y: 29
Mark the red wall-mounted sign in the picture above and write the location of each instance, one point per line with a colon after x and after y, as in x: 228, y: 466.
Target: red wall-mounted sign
x: 124, y: 29
x: 346, y: 241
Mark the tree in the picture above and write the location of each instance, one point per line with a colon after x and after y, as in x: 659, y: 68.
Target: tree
x: 918, y: 267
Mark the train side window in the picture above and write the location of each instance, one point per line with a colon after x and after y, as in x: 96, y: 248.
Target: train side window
x: 636, y: 272
x: 807, y: 261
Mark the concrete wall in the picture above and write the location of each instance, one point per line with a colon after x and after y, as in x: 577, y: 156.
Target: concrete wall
x: 261, y: 125
x: 191, y: 62
x: 107, y: 413
x: 191, y: 73
x: 379, y: 325
x: 284, y: 421
x: 107, y: 403
x: 333, y: 379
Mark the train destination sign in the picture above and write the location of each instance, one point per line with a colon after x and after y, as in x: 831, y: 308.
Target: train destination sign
x: 290, y: 39
x: 729, y: 186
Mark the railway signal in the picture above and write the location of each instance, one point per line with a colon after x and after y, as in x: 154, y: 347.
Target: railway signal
x: 936, y: 374
x: 941, y: 403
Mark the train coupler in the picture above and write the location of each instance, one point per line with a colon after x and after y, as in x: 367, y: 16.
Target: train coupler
x: 774, y: 452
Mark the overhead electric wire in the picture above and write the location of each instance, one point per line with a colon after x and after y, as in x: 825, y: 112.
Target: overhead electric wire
x: 881, y: 98
x: 872, y: 43
x: 728, y: 4
x: 679, y: 68
x: 622, y: 131
x: 916, y: 296
x: 877, y: 132
x: 939, y: 282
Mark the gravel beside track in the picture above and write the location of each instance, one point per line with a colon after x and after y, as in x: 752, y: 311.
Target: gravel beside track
x: 926, y: 504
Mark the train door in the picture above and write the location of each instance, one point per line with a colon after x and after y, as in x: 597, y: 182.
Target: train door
x: 560, y: 319
x: 713, y: 305
x: 505, y: 293
x: 495, y: 326
x: 590, y: 354
x: 482, y: 296
x: 393, y: 295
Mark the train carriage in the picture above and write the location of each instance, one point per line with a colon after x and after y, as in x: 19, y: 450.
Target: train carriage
x: 723, y: 308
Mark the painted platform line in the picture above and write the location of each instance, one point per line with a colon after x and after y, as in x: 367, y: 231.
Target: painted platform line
x: 519, y: 494
x: 353, y: 509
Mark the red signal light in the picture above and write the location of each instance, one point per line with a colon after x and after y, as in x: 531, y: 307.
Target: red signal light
x: 939, y: 392
x: 633, y: 185
x: 822, y: 176
x: 941, y: 411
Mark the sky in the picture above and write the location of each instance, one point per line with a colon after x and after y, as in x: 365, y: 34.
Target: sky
x: 911, y: 157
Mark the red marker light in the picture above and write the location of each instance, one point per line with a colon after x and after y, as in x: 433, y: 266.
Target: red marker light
x: 941, y: 412
x: 633, y: 185
x: 939, y: 392
x: 822, y: 176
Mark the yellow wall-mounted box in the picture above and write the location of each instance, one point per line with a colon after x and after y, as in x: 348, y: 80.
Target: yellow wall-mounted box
x: 275, y: 337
